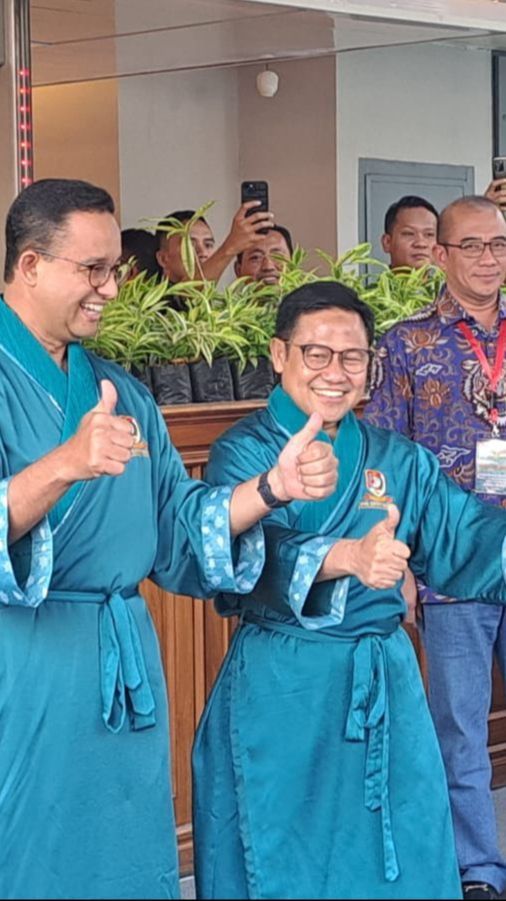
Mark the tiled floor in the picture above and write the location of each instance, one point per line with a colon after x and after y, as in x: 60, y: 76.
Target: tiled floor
x: 188, y: 886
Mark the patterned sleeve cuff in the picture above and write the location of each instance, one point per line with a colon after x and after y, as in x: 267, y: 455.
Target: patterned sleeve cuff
x: 307, y: 565
x: 218, y: 565
x: 37, y: 584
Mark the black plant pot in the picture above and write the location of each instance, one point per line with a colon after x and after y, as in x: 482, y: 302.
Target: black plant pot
x: 143, y: 374
x: 212, y: 383
x: 254, y: 381
x: 171, y: 383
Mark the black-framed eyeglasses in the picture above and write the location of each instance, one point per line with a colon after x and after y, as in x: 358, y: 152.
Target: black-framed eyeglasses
x: 98, y: 273
x: 317, y: 356
x: 473, y: 248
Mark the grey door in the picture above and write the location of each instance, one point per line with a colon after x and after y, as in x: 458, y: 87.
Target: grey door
x: 382, y: 182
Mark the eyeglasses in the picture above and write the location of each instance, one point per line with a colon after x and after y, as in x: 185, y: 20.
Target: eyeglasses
x: 98, y: 273
x: 317, y: 356
x: 474, y: 248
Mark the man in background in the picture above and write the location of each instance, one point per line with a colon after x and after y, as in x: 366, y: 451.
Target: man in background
x: 440, y: 380
x: 211, y: 261
x: 410, y: 232
x: 261, y: 262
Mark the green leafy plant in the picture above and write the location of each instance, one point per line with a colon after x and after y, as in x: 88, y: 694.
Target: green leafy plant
x: 398, y: 293
x: 218, y: 323
x: 173, y: 227
x: 131, y: 329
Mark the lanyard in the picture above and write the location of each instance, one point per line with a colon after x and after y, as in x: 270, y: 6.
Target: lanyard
x: 492, y: 373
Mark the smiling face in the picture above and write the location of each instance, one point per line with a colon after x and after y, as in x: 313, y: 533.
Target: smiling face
x: 474, y: 282
x: 62, y: 306
x: 259, y: 263
x: 332, y: 392
x: 412, y: 238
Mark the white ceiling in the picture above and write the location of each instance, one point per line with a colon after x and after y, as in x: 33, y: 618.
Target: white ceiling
x: 81, y: 40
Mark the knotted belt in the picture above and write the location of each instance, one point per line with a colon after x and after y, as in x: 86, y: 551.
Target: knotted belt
x: 123, y: 676
x: 369, y: 713
x: 368, y: 718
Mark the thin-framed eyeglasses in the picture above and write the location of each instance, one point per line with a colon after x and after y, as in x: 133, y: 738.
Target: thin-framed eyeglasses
x: 98, y: 273
x: 317, y: 356
x: 473, y: 248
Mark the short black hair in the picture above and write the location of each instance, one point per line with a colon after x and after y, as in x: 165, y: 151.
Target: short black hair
x: 41, y: 210
x: 317, y: 296
x: 182, y: 216
x: 408, y: 202
x: 282, y: 231
x: 141, y: 244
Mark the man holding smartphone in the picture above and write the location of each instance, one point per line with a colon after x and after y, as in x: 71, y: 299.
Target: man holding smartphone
x: 246, y: 231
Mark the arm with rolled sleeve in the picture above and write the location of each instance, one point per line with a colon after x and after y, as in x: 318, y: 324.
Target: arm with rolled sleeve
x: 26, y: 566
x: 293, y: 559
x: 196, y: 553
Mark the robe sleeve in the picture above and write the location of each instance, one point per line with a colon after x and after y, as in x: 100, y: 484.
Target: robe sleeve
x: 391, y: 395
x: 458, y: 546
x: 196, y: 553
x: 26, y: 566
x: 293, y: 558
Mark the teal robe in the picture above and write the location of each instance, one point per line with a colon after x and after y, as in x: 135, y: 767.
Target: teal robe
x: 317, y: 772
x: 85, y: 798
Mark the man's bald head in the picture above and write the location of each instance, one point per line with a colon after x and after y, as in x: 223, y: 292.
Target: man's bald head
x: 462, y: 207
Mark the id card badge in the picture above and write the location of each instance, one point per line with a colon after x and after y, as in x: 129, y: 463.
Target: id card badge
x: 491, y: 466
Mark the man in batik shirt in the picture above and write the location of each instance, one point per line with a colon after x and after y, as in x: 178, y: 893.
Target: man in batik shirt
x: 440, y: 380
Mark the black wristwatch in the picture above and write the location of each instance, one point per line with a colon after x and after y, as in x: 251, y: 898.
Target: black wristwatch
x: 265, y: 492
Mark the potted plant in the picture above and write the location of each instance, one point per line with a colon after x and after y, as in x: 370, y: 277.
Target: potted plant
x: 130, y: 330
x: 252, y: 308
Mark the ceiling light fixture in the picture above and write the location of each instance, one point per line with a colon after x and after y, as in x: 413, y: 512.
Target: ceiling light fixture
x: 267, y: 82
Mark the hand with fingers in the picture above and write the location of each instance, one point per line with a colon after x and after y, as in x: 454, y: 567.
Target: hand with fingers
x: 306, y: 468
x: 496, y: 192
x: 379, y: 559
x: 103, y: 442
x: 245, y: 229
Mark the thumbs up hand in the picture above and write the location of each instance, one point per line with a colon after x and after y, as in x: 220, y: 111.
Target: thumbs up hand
x: 306, y: 469
x: 108, y: 398
x: 378, y: 559
x: 103, y: 442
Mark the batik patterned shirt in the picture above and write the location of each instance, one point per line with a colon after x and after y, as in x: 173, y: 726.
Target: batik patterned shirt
x: 428, y: 384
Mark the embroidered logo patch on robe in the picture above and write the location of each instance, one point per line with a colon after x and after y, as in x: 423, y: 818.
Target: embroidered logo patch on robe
x: 376, y: 496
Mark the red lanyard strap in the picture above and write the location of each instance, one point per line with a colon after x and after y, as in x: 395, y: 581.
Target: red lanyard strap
x: 493, y: 373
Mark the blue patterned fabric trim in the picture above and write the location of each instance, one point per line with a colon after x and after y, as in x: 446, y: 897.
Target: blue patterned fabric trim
x: 307, y: 565
x: 37, y: 585
x: 216, y: 540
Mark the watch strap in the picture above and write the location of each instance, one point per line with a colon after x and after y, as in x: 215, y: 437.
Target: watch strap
x: 266, y: 493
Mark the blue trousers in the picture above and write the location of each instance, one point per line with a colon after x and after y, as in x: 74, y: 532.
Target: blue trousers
x: 460, y: 641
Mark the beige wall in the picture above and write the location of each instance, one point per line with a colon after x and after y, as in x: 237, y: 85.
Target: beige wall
x: 179, y: 145
x: 76, y: 133
x: 188, y: 137
x: 290, y: 140
x: 429, y: 103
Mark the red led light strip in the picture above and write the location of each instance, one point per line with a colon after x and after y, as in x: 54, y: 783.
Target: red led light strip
x: 25, y: 138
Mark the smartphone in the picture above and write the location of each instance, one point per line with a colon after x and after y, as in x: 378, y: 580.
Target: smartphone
x: 255, y: 190
x: 498, y: 167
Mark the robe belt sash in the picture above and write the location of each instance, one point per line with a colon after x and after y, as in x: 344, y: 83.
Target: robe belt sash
x: 368, y: 719
x: 123, y: 676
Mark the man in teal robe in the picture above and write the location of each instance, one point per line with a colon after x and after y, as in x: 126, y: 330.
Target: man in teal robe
x: 93, y: 499
x: 317, y: 772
